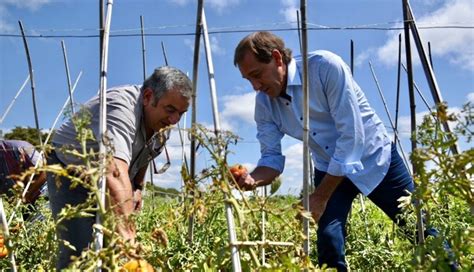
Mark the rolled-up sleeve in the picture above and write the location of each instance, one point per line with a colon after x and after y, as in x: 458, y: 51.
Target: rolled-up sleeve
x: 344, y: 109
x: 269, y: 137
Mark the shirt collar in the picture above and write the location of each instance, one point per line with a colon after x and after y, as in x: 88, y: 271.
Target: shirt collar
x: 293, y: 78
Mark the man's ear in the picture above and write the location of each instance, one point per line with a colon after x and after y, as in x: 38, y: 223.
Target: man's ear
x: 276, y: 55
x: 147, y: 96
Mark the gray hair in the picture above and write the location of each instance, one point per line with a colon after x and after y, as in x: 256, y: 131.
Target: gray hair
x: 165, y: 79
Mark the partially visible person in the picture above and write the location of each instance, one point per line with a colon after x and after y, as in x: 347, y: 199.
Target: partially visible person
x: 136, y: 118
x: 350, y: 147
x: 17, y: 156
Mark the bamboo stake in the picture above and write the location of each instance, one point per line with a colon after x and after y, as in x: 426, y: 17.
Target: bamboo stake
x: 298, y: 28
x: 306, y: 158
x: 262, y: 243
x: 352, y: 58
x: 142, y: 27
x: 235, y: 255
x: 32, y: 81
x: 398, y: 84
x: 429, y: 55
x: 152, y: 162
x: 361, y: 197
x: 14, y: 99
x: 98, y: 234
x: 66, y: 64
x: 211, y: 75
x: 197, y: 39
x: 180, y: 131
x: 164, y: 53
x: 6, y: 234
x: 419, y: 92
x: 428, y: 69
x: 397, y: 103
x: 27, y: 186
x: 389, y: 116
x: 406, y: 19
x: 264, y: 235
x: 101, y: 31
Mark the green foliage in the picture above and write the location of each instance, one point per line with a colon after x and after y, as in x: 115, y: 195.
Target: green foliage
x: 28, y: 134
x: 156, y: 190
x: 373, y: 243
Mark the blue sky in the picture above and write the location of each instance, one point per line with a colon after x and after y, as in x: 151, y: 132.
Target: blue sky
x: 452, y: 53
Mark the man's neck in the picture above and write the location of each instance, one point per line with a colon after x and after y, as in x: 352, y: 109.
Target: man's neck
x: 283, y: 93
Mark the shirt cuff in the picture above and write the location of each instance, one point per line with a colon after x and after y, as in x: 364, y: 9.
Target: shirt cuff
x: 276, y: 162
x: 337, y: 168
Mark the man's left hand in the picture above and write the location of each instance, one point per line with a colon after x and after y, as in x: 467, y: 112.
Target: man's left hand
x: 317, y: 206
x: 137, y: 200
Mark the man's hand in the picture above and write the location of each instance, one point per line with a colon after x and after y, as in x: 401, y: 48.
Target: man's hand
x: 317, y: 206
x: 247, y: 182
x: 126, y: 229
x: 260, y: 176
x: 121, y: 197
x: 137, y: 200
x: 321, y: 195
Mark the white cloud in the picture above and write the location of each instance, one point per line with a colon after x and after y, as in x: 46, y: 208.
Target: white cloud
x: 218, y: 5
x: 4, y: 26
x: 455, y: 44
x: 404, y: 122
x: 294, y: 157
x: 292, y: 177
x: 362, y: 58
x: 169, y: 179
x: 31, y: 5
x: 470, y: 97
x: 238, y: 108
x: 288, y: 10
x: 216, y: 49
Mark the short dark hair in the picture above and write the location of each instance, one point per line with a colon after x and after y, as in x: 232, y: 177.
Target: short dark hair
x: 167, y: 78
x: 261, y: 44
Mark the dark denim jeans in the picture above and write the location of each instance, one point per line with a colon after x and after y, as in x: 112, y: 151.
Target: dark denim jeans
x: 77, y: 231
x: 331, y: 227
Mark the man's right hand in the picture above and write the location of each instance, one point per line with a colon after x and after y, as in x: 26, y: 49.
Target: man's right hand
x: 260, y: 176
x: 247, y: 182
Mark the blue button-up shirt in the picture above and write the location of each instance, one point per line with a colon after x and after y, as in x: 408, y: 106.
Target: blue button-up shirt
x: 347, y: 138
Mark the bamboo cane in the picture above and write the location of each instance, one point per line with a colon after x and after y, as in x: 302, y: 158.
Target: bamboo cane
x: 6, y: 234
x: 306, y: 158
x: 197, y: 39
x: 235, y: 255
x: 361, y: 197
x: 66, y: 65
x: 151, y: 164
x: 14, y: 99
x: 98, y: 234
x: 27, y: 186
x: 180, y: 131
x: 389, y: 116
x: 398, y: 84
x: 427, y: 67
x: 32, y: 82
x: 406, y: 24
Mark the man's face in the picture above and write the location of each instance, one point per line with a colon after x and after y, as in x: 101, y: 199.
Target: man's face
x: 269, y: 78
x: 167, y: 111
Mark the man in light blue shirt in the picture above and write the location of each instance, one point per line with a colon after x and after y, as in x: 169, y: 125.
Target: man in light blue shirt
x: 350, y: 147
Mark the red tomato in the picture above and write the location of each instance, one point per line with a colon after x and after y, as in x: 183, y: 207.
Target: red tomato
x: 238, y: 170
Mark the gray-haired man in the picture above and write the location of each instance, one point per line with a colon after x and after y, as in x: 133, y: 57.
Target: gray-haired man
x: 134, y: 116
